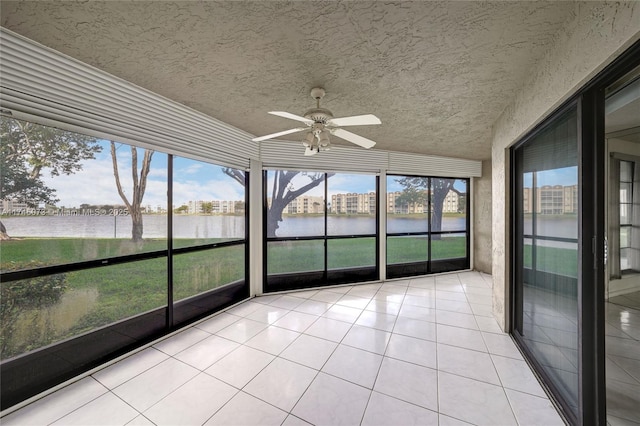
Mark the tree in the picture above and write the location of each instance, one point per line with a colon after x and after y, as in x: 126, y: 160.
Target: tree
x: 440, y: 187
x: 139, y: 186
x: 282, y: 192
x: 26, y: 149
x: 183, y: 209
x: 207, y: 207
x: 414, y: 193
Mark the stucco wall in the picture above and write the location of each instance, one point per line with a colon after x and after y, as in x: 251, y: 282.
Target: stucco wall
x: 482, y: 220
x: 596, y: 34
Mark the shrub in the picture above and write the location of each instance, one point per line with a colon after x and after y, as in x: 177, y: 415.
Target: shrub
x: 18, y: 296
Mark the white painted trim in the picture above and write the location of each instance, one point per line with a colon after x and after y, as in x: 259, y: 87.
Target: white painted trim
x: 431, y: 165
x: 625, y: 285
x: 382, y: 226
x: 256, y: 231
x: 290, y: 156
x: 471, y: 213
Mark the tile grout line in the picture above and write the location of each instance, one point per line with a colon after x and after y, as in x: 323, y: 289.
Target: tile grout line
x: 364, y: 412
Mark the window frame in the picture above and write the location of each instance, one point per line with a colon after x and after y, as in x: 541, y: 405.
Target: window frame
x: 30, y: 373
x: 429, y: 265
x: 298, y: 280
x: 627, y: 225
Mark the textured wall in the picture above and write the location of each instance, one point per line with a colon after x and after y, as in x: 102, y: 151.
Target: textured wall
x: 482, y: 220
x: 596, y: 35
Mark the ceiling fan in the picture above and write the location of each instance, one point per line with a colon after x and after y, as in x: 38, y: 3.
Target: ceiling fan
x: 320, y: 123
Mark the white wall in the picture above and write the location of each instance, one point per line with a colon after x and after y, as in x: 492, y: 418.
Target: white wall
x: 597, y: 33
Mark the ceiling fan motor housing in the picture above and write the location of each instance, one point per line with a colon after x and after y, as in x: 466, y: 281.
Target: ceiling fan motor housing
x: 319, y: 115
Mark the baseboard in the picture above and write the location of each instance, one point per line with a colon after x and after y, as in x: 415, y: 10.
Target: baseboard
x: 625, y: 285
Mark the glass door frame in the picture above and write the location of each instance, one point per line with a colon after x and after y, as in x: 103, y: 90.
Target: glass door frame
x: 517, y: 254
x: 592, y: 157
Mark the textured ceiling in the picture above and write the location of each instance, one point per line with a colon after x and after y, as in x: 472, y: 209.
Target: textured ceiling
x: 438, y: 74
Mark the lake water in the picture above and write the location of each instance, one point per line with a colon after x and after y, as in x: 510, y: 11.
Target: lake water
x: 187, y: 226
x: 155, y: 226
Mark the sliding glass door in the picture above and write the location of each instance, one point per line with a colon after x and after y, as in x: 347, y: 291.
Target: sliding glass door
x: 547, y: 249
x: 560, y: 248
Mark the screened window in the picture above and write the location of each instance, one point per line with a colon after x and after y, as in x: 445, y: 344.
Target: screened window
x: 71, y: 199
x: 427, y: 225
x: 321, y: 228
x: 209, y: 226
x: 106, y: 245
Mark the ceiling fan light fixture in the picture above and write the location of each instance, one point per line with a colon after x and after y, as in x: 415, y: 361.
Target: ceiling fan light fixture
x: 308, y: 139
x: 323, y: 139
x: 308, y: 151
x: 320, y: 122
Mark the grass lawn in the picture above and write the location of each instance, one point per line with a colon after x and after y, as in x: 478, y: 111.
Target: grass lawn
x: 559, y: 261
x: 121, y: 291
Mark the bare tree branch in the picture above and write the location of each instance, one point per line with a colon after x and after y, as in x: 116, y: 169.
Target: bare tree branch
x: 237, y: 175
x: 116, y: 174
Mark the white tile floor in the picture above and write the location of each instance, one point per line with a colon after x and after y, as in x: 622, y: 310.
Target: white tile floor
x: 623, y: 359
x: 422, y: 351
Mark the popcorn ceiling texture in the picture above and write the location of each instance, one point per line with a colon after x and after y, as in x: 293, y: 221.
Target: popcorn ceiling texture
x: 438, y: 74
x: 598, y: 34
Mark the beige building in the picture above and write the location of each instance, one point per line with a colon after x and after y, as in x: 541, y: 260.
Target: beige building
x: 551, y: 199
x: 410, y: 208
x: 306, y: 204
x: 450, y: 204
x: 13, y: 205
x: 353, y: 203
x: 217, y: 206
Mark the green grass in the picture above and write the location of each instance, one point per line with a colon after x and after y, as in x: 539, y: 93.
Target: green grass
x: 124, y: 290
x: 308, y: 255
x: 55, y: 251
x: 560, y: 261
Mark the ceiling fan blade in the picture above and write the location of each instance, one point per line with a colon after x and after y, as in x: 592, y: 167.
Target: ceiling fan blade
x: 275, y: 135
x: 353, y: 138
x: 291, y: 116
x: 356, y: 120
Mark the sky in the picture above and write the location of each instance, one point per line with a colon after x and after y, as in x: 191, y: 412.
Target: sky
x: 565, y: 176
x: 95, y: 183
x: 193, y: 180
